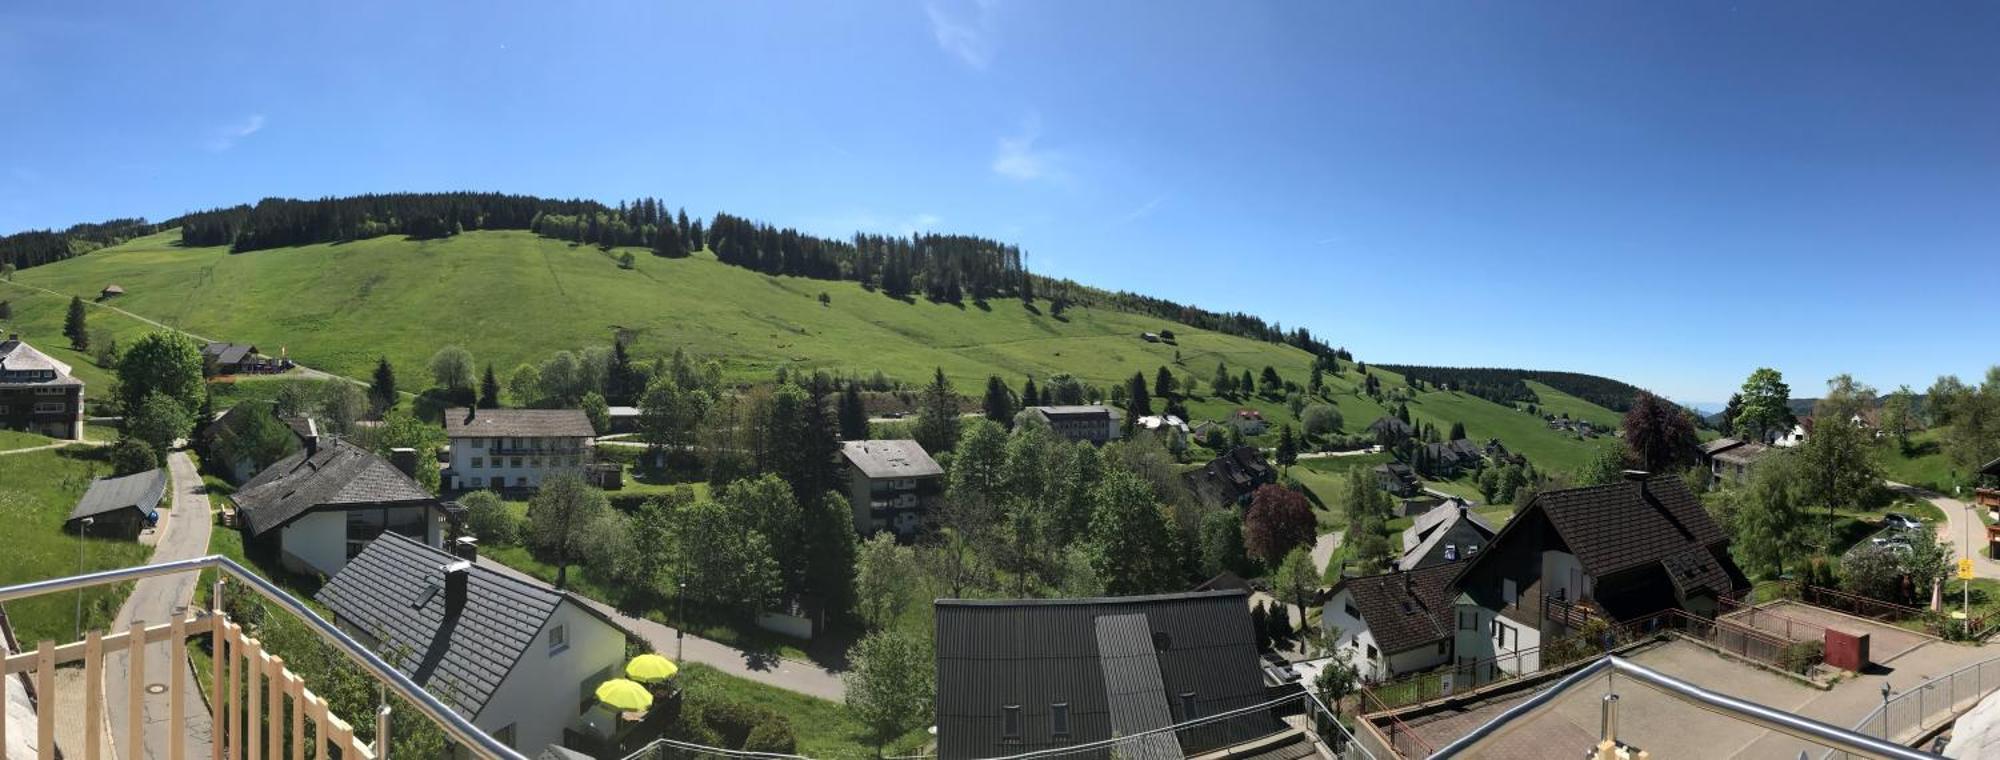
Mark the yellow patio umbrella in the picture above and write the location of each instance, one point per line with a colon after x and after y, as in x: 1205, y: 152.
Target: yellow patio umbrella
x: 650, y: 668
x: 624, y: 695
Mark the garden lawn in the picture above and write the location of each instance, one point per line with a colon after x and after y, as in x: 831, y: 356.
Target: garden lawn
x: 37, y: 491
x: 1924, y: 464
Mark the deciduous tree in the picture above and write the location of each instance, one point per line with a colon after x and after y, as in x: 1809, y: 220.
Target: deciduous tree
x: 1280, y: 520
x: 1131, y: 546
x: 892, y: 684
x: 1659, y: 437
x: 561, y: 515
x: 451, y: 368
x: 1766, y: 409
x: 163, y: 362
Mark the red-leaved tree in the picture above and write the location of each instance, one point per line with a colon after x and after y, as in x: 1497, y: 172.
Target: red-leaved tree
x: 1659, y: 434
x: 1279, y: 521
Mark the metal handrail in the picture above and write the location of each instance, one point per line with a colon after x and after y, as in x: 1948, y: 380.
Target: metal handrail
x: 1796, y: 726
x: 458, y: 727
x: 1918, y: 691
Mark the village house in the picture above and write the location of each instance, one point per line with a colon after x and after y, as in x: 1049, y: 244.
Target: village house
x: 1446, y: 533
x: 1794, y: 437
x: 1619, y: 552
x: 1095, y: 423
x: 120, y: 507
x: 1736, y: 462
x: 1393, y: 623
x: 1398, y: 479
x: 522, y: 660
x: 1391, y: 431
x: 233, y: 358
x: 514, y: 448
x: 1230, y: 479
x: 1016, y: 676
x: 1157, y: 422
x: 1449, y: 458
x: 1249, y: 421
x: 37, y: 393
x: 318, y: 508
x: 224, y: 447
x: 892, y: 485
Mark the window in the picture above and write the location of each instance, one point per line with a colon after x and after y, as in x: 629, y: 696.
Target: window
x: 478, y: 462
x: 49, y: 391
x: 4, y: 409
x: 517, y: 465
x: 1451, y: 552
x: 49, y: 407
x: 1059, y: 719
x: 479, y: 443
x: 1509, y: 592
x: 1010, y: 723
x: 1471, y: 549
x: 558, y: 639
x: 1189, y: 710
x: 478, y: 482
x: 1441, y: 645
x: 1351, y: 612
x: 364, y: 525
x: 521, y: 482
x: 1371, y: 651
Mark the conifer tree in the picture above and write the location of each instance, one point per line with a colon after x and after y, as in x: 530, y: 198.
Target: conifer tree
x: 74, y: 326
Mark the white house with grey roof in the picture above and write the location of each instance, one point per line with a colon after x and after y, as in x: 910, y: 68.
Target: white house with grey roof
x: 37, y: 393
x: 891, y: 484
x: 319, y: 507
x: 514, y: 448
x: 1095, y: 423
x: 522, y: 660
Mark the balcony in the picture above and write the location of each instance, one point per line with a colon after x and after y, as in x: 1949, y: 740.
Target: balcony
x: 266, y: 707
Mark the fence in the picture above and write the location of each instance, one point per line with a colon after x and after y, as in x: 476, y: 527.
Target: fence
x: 1776, y: 624
x: 1978, y: 627
x: 1929, y: 705
x: 1557, y: 652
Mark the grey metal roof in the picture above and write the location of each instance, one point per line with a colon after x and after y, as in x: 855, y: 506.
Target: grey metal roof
x: 1075, y: 410
x: 141, y: 491
x: 901, y: 458
x: 394, y: 591
x: 1132, y: 685
x: 338, y: 474
x: 1038, y: 653
x: 466, y: 422
x: 228, y: 353
x: 18, y: 356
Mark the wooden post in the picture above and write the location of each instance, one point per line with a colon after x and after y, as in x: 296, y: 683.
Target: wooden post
x: 295, y: 686
x: 135, y: 692
x: 232, y: 715
x: 274, y: 730
x: 318, y: 716
x: 45, y: 688
x: 176, y: 686
x: 253, y: 658
x: 93, y: 694
x: 218, y: 649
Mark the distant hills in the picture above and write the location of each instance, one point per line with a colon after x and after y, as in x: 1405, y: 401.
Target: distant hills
x: 1510, y: 386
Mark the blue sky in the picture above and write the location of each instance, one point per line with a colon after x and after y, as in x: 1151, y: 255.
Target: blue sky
x: 1668, y: 193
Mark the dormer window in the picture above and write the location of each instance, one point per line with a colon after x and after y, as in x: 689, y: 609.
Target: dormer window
x: 1451, y: 552
x: 1010, y: 723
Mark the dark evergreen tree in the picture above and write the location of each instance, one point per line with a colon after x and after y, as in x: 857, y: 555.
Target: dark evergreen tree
x: 383, y: 390
x: 75, y: 327
x: 1457, y: 431
x: 1030, y: 396
x: 489, y: 390
x: 621, y: 380
x: 1163, y: 384
x: 1138, y: 402
x: 853, y: 414
x: 1288, y: 446
x: 999, y: 403
x: 6, y: 310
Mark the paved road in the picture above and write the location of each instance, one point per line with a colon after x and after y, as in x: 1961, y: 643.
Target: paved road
x: 1959, y: 522
x: 1323, y: 549
x: 183, y: 534
x: 788, y: 674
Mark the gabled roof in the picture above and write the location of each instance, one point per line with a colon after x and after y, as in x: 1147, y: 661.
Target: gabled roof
x: 1074, y: 410
x: 18, y: 356
x: 1719, y: 445
x: 1405, y: 610
x: 1629, y: 524
x: 1745, y: 453
x: 337, y: 474
x: 141, y: 491
x: 1120, y: 663
x: 228, y: 353
x: 1437, y: 521
x: 394, y: 590
x: 899, y: 458
x: 467, y: 422
x: 1393, y: 425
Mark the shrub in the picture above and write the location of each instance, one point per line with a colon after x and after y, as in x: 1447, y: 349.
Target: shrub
x: 1800, y: 657
x: 735, y: 721
x: 132, y: 455
x: 775, y: 736
x: 488, y: 519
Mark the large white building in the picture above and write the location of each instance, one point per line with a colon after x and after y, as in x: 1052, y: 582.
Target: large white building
x: 514, y: 448
x: 319, y: 507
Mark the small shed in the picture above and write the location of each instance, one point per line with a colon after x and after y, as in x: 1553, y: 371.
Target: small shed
x: 110, y: 290
x: 120, y: 506
x: 624, y: 419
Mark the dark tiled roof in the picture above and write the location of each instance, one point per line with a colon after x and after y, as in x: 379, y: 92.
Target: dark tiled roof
x: 141, y: 491
x: 1405, y: 610
x: 1391, y: 425
x: 1228, y: 478
x: 394, y: 591
x: 1093, y: 654
x: 900, y: 458
x: 466, y: 422
x: 1087, y: 411
x: 1745, y: 453
x: 229, y: 353
x: 1719, y: 445
x: 1627, y: 524
x: 339, y: 473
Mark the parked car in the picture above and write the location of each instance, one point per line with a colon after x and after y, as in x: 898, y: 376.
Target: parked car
x: 1900, y: 521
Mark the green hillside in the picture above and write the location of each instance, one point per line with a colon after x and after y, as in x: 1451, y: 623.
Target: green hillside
x: 512, y: 297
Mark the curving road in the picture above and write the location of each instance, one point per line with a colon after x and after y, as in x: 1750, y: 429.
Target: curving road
x: 184, y: 532
x: 1959, y: 522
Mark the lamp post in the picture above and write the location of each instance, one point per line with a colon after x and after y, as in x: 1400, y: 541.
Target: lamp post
x: 680, y: 629
x: 82, y: 532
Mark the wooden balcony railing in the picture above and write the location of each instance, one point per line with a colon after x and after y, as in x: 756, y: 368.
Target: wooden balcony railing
x: 261, y: 708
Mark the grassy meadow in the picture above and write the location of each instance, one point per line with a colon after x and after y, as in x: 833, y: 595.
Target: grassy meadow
x: 37, y: 491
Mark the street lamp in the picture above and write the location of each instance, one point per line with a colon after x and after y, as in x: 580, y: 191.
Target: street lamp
x: 82, y: 532
x: 681, y: 623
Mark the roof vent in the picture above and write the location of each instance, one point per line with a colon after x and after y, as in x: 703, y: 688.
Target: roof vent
x: 1162, y: 641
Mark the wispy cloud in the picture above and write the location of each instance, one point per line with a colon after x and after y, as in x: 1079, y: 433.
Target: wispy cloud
x: 1019, y: 158
x: 227, y: 136
x: 1144, y: 210
x: 967, y: 36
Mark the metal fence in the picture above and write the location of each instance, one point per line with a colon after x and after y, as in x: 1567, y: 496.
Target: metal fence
x: 1905, y: 716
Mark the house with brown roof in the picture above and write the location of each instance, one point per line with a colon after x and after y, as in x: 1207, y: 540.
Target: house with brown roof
x: 514, y: 448
x: 1735, y: 464
x: 1394, y: 623
x: 1620, y: 551
x: 1228, y: 480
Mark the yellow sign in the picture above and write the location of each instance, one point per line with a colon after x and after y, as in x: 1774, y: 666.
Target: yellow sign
x: 1965, y: 568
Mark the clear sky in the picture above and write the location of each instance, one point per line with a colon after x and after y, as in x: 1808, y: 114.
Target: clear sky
x: 1668, y: 193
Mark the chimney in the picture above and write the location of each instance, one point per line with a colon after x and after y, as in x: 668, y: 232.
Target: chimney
x: 466, y: 548
x: 404, y: 459
x: 311, y: 437
x: 1637, y: 476
x: 456, y: 576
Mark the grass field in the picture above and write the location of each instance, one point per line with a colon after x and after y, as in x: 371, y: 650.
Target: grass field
x: 37, y: 490
x: 12, y: 440
x: 824, y: 729
x: 1924, y: 465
